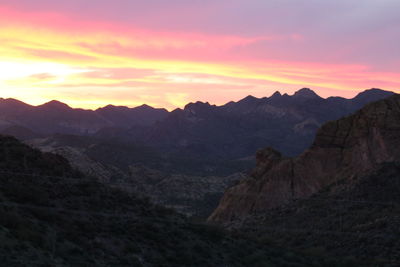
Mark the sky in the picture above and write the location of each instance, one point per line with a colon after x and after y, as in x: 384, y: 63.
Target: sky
x: 90, y: 53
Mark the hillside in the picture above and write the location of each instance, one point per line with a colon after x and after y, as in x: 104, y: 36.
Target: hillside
x: 342, y: 149
x: 142, y: 170
x: 357, y: 219
x: 52, y: 215
x: 340, y: 198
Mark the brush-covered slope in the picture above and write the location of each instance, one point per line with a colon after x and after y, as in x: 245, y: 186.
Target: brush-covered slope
x: 140, y: 169
x: 350, y: 146
x: 357, y: 219
x: 51, y: 215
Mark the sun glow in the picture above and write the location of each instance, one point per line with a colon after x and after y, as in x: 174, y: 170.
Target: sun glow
x: 50, y: 72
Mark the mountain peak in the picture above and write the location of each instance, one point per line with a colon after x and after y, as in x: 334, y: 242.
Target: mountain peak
x: 276, y: 94
x: 55, y: 104
x: 13, y: 102
x: 249, y: 100
x: 144, y: 107
x: 197, y: 104
x: 108, y: 107
x: 373, y: 93
x: 306, y: 93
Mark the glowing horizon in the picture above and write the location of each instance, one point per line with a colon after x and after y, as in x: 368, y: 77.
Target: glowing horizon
x: 131, y: 53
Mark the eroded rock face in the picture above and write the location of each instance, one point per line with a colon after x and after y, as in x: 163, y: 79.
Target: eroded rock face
x: 343, y: 148
x: 266, y: 159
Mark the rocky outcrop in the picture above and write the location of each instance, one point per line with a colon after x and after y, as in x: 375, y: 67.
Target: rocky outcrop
x: 342, y: 149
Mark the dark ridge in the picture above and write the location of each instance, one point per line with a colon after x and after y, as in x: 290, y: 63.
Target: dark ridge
x: 306, y: 93
x: 55, y: 104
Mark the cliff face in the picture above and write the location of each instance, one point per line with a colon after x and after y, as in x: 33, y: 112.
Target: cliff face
x: 342, y: 149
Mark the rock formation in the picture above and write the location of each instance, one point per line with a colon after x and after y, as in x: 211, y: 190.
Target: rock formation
x: 342, y: 149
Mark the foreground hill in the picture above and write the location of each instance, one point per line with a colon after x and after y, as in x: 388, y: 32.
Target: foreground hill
x: 357, y: 219
x: 51, y: 215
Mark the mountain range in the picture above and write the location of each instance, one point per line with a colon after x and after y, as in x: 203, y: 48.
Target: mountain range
x: 211, y: 140
x: 57, y: 117
x: 237, y: 129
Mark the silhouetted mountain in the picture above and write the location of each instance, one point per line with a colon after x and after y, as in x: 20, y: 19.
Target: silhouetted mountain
x: 9, y: 111
x: 52, y: 215
x: 126, y: 117
x: 237, y: 129
x: 57, y: 117
x: 208, y: 139
x: 54, y: 105
x: 369, y: 96
x: 306, y: 93
x: 11, y: 107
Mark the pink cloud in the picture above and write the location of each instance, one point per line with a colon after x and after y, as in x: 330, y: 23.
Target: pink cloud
x: 209, y: 63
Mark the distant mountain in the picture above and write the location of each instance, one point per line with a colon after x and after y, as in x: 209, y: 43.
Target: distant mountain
x: 200, y: 139
x: 235, y: 130
x: 10, y: 107
x: 57, y: 117
x: 123, y: 116
x: 52, y: 215
x: 342, y: 151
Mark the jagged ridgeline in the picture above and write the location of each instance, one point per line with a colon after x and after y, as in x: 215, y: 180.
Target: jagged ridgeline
x: 339, y: 198
x: 52, y: 215
x: 200, y: 139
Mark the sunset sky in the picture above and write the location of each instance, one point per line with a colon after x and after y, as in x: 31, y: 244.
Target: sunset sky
x: 89, y: 53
